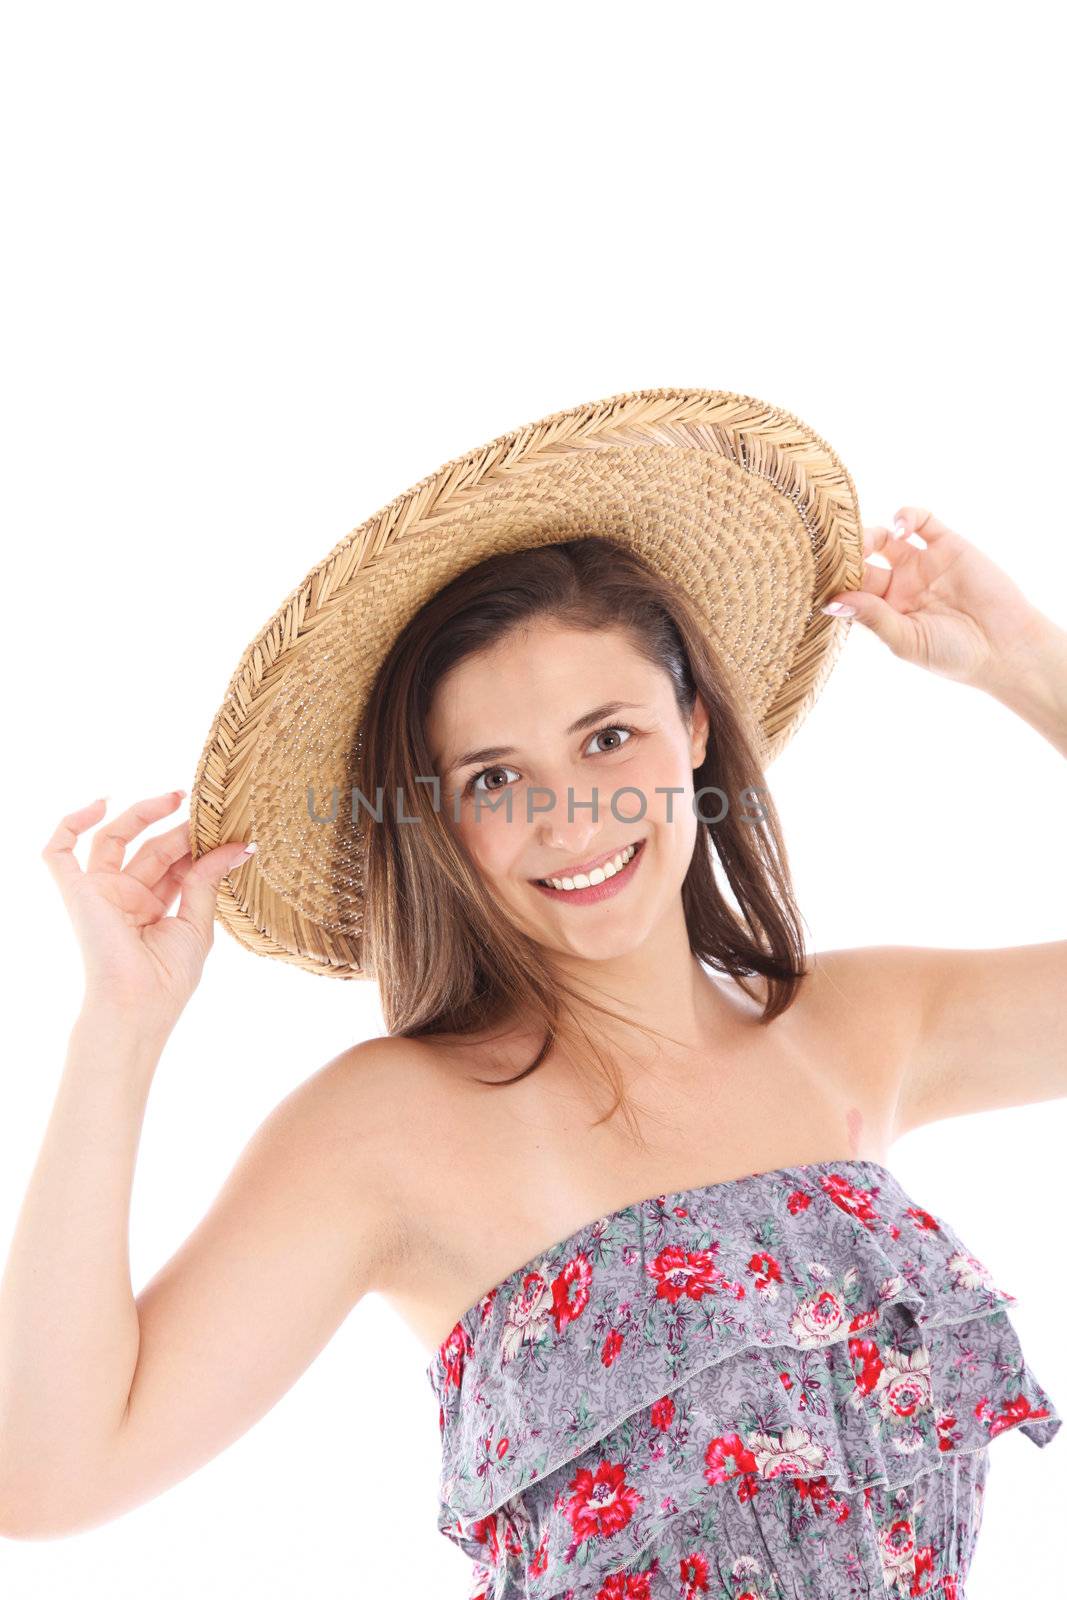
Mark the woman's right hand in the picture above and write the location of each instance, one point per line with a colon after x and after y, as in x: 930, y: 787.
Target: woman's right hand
x: 135, y: 955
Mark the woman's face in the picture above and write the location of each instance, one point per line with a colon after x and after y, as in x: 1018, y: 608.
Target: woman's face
x: 551, y: 715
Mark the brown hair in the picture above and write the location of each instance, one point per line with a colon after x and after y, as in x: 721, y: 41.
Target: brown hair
x: 447, y: 958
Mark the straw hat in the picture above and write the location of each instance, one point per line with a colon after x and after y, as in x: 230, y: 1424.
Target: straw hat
x: 735, y: 500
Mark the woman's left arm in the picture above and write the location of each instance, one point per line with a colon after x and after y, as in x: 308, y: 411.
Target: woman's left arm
x: 990, y: 1026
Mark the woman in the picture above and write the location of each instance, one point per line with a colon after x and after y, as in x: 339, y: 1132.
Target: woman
x: 634, y: 1411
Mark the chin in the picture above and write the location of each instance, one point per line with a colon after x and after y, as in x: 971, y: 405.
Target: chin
x: 608, y: 945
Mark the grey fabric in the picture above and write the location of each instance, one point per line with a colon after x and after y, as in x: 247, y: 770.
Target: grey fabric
x: 776, y: 1387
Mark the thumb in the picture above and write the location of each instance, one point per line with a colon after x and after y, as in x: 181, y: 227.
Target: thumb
x: 200, y: 888
x: 876, y: 614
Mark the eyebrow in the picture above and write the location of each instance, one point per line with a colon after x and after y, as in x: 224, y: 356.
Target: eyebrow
x: 588, y: 718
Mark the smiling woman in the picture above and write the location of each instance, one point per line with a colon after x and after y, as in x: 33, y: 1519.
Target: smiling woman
x: 459, y: 922
x: 710, y: 1343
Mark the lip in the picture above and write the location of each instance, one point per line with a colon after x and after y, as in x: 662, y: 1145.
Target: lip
x: 596, y: 891
x: 590, y: 866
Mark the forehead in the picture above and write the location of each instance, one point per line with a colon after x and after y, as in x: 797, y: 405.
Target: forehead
x: 534, y: 682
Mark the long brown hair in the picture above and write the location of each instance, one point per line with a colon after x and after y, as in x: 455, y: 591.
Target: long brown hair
x: 447, y: 958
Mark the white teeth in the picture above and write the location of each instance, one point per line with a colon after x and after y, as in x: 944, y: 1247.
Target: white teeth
x: 583, y: 881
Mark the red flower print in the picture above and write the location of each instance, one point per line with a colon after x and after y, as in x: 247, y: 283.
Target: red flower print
x: 578, y: 1272
x: 726, y: 1457
x: 905, y: 1386
x: 527, y: 1317
x: 945, y: 1422
x: 502, y: 1447
x: 786, y: 1380
x: 539, y: 1563
x: 818, y: 1319
x: 864, y: 1319
x: 612, y: 1346
x: 856, y: 1202
x: 896, y: 1547
x: 1014, y: 1412
x: 813, y: 1489
x: 923, y: 1570
x: 798, y: 1201
x: 456, y: 1348
x: 769, y: 1273
x: 484, y: 1532
x: 679, y: 1272
x: 627, y: 1586
x: 693, y: 1573
x: 485, y: 1304
x: 869, y: 1357
x: 662, y: 1413
x: 818, y: 1493
x: 603, y: 1501
x: 923, y: 1219
x: 680, y: 1211
x: 512, y: 1542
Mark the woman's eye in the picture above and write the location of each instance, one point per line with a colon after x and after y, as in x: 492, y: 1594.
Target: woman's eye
x: 487, y: 772
x: 602, y: 733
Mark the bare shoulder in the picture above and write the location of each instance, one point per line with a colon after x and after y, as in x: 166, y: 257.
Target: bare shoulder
x: 867, y: 974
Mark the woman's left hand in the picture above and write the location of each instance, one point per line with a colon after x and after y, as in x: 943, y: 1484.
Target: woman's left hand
x: 947, y: 607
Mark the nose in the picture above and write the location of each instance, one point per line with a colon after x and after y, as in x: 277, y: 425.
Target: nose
x: 573, y: 837
x: 559, y: 831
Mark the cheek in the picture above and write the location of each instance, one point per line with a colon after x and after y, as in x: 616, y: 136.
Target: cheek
x: 490, y: 842
x: 671, y: 813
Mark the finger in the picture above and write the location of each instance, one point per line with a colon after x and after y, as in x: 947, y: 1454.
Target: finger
x: 890, y: 625
x: 200, y: 889
x: 883, y: 543
x: 916, y: 519
x: 167, y: 887
x: 157, y: 855
x: 58, y: 854
x: 109, y: 844
x: 882, y: 555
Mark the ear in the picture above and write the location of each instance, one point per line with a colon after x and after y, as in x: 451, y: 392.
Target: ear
x: 700, y: 730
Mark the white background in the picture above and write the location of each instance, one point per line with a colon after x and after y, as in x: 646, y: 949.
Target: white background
x: 267, y: 266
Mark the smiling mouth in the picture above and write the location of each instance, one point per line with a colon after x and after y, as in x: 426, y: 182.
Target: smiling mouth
x: 609, y: 868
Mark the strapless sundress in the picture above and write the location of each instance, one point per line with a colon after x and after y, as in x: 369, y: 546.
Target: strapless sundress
x: 778, y: 1387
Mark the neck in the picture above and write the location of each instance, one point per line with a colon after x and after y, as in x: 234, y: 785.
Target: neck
x: 660, y: 986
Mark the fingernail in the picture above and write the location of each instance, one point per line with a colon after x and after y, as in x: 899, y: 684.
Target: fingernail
x: 250, y: 848
x: 836, y: 609
x: 181, y: 793
x: 900, y: 526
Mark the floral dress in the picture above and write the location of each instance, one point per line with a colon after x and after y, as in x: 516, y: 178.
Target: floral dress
x: 778, y: 1387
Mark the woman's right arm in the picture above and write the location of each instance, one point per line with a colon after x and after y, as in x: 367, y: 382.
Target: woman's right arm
x: 106, y: 1400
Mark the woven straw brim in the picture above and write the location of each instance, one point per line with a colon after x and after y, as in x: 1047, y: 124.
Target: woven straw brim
x: 736, y: 501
